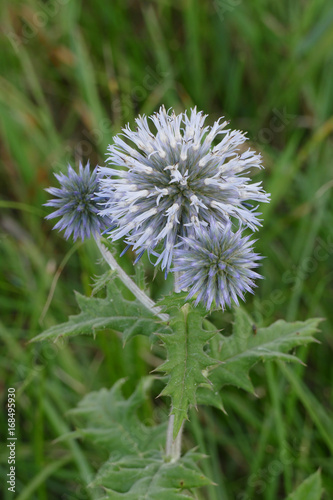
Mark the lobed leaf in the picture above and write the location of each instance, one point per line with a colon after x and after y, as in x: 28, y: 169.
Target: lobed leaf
x: 187, y: 364
x: 137, y: 467
x: 248, y: 345
x: 150, y: 477
x: 127, y: 316
x: 108, y: 419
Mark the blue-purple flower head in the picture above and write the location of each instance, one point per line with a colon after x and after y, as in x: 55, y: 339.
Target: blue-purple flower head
x: 77, y: 204
x: 163, y: 183
x: 217, y: 266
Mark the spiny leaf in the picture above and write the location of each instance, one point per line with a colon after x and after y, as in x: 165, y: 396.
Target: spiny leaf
x: 150, y: 477
x: 109, y: 420
x: 187, y: 364
x: 127, y: 316
x: 210, y: 397
x: 310, y: 489
x: 246, y: 346
x: 137, y: 468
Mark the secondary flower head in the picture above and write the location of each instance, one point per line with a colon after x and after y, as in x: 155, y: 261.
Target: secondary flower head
x: 162, y: 183
x: 217, y: 265
x: 76, y: 203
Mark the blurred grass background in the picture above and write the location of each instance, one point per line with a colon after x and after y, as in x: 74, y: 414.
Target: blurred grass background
x: 72, y: 74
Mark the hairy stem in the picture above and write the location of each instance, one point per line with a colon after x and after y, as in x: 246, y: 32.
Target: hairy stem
x: 173, y: 446
x: 129, y: 283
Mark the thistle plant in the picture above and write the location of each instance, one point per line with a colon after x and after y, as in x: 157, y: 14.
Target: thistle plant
x: 180, y: 191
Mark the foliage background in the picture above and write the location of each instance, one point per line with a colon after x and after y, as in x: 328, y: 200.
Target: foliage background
x: 73, y: 73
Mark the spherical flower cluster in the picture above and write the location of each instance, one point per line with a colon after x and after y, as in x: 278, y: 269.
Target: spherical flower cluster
x: 174, y: 191
x: 77, y: 203
x: 217, y: 266
x: 162, y: 184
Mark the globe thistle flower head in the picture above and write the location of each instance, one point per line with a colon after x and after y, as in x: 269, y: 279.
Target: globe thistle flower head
x: 165, y: 181
x: 76, y: 204
x: 217, y: 266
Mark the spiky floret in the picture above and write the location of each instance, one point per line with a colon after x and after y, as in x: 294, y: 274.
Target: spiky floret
x: 77, y: 202
x: 217, y: 266
x: 169, y: 180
